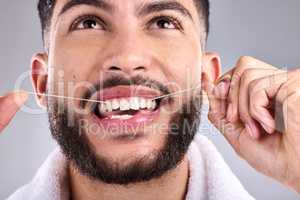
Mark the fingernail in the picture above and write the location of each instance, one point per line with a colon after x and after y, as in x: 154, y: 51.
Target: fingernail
x: 229, y: 114
x: 221, y: 89
x: 267, y: 128
x: 21, y: 96
x: 224, y: 79
x: 267, y: 122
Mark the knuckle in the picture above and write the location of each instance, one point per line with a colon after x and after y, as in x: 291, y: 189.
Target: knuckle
x: 249, y: 72
x: 240, y: 68
x: 244, y: 60
x: 243, y: 72
x: 235, y: 79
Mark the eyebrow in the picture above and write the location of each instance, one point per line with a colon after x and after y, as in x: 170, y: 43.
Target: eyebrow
x: 96, y: 3
x: 158, y: 6
x: 148, y: 8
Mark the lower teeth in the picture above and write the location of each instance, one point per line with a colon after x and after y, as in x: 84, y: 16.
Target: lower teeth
x: 123, y: 117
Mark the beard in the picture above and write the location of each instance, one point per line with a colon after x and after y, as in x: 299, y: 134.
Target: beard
x: 76, y: 147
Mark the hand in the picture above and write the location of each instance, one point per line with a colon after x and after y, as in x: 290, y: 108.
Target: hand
x: 9, y: 105
x: 244, y: 105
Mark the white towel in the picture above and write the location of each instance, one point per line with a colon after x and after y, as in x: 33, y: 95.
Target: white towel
x: 210, y: 177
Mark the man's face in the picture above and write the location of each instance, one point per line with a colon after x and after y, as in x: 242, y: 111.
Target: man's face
x: 124, y: 54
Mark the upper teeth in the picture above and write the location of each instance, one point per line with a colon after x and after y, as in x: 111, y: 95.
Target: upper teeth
x: 133, y: 103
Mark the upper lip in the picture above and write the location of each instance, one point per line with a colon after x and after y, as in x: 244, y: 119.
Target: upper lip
x: 119, y: 92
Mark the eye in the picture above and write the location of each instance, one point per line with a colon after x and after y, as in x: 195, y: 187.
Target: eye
x: 164, y: 23
x: 88, y: 22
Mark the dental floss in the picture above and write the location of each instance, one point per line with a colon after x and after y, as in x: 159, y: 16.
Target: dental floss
x: 97, y: 101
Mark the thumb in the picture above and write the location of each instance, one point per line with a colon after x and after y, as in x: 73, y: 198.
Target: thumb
x: 217, y: 98
x: 218, y: 108
x: 9, y: 106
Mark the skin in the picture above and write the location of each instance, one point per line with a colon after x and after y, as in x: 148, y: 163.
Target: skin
x: 252, y: 88
x: 169, y: 56
x: 136, y: 47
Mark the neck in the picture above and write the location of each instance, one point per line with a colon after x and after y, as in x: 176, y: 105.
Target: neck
x: 171, y: 186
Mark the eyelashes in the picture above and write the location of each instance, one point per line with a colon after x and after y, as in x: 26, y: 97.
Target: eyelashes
x: 94, y: 22
x: 88, y: 22
x: 165, y: 22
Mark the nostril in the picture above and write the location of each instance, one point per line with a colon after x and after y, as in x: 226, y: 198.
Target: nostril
x: 140, y: 68
x: 114, y: 68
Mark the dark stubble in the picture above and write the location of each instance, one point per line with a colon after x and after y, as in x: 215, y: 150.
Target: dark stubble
x: 78, y: 150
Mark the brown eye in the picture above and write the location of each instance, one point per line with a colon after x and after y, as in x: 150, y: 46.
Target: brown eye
x: 89, y: 23
x: 164, y: 23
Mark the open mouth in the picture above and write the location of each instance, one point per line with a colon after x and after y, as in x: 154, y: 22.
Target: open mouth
x: 125, y: 108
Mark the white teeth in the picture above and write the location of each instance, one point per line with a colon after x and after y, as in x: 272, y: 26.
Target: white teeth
x: 124, y: 105
x: 108, y: 106
x: 153, y: 105
x: 149, y: 104
x: 133, y: 103
x: 122, y: 117
x: 101, y: 108
x: 115, y: 104
x: 143, y: 104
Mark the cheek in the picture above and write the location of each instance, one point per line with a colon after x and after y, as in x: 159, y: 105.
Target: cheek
x: 74, y: 55
x: 183, y: 61
x: 78, y: 60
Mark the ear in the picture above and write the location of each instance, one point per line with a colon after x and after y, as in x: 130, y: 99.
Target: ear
x: 211, y: 68
x: 39, y: 76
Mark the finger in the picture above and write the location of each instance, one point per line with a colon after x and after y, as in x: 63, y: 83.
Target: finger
x: 288, y: 97
x: 233, y: 95
x: 248, y: 76
x: 217, y: 115
x: 290, y: 106
x: 243, y: 64
x: 9, y: 105
x: 261, y: 93
x: 222, y: 85
x: 217, y: 106
x: 233, y: 99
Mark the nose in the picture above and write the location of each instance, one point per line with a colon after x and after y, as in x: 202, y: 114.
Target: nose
x: 127, y: 63
x: 128, y: 55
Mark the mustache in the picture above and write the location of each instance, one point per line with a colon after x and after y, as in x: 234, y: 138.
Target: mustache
x: 119, y: 80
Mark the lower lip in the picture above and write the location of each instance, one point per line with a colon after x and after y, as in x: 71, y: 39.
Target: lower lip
x: 138, y: 120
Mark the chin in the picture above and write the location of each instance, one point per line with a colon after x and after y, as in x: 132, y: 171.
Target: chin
x: 128, y: 134
x: 116, y: 144
x: 127, y: 121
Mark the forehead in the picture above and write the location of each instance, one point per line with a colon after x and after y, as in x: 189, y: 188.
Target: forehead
x: 126, y: 6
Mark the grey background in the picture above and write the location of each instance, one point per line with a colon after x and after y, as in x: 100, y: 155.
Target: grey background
x: 266, y: 29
